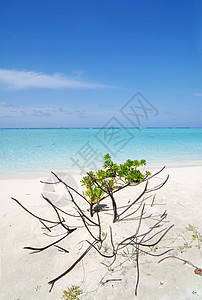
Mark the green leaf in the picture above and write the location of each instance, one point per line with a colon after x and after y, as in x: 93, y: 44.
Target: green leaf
x: 112, y: 173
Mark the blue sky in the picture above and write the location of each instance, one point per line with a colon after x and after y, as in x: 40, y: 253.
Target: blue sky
x: 76, y: 63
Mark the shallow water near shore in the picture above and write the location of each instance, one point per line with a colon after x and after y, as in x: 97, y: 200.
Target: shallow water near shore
x: 36, y: 150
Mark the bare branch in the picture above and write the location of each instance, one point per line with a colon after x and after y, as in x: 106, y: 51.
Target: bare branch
x: 61, y: 249
x: 48, y: 246
x: 138, y: 270
x: 113, y: 202
x: 81, y: 212
x: 69, y: 187
x: 129, y: 206
x: 153, y: 175
x: 106, y: 256
x: 60, y: 221
x: 131, y: 213
x: 41, y: 219
x: 53, y: 281
x: 135, y: 234
x: 154, y: 244
x: 183, y: 260
x: 84, y: 222
x: 158, y: 186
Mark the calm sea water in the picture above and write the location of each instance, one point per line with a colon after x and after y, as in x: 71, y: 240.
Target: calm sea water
x: 61, y: 149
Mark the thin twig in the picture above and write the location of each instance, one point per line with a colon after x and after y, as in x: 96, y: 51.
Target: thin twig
x: 135, y: 234
x: 108, y: 280
x: 106, y: 256
x: 69, y: 187
x: 156, y: 173
x: 53, y: 281
x: 138, y: 269
x: 158, y: 186
x: 152, y: 204
x: 42, y: 219
x: 62, y: 249
x: 84, y: 222
x: 131, y: 213
x: 48, y: 246
x: 113, y: 202
x: 154, y: 244
x: 129, y: 206
x: 81, y: 212
x: 58, y: 215
x: 99, y: 224
x: 183, y: 260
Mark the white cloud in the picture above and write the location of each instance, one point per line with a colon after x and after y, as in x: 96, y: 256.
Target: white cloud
x: 27, y: 79
x: 198, y: 95
x: 5, y: 104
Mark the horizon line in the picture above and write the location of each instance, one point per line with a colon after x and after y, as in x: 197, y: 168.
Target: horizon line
x: 139, y: 128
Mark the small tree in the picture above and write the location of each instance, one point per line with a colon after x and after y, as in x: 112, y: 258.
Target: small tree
x: 99, y: 186
x: 113, y: 177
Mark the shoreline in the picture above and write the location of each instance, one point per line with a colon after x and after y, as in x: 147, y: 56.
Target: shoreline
x: 29, y: 174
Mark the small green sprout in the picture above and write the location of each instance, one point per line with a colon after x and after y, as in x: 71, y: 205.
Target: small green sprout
x: 106, y: 247
x: 129, y: 255
x: 37, y: 288
x: 153, y: 248
x: 195, y: 234
x: 72, y: 293
x: 196, y: 237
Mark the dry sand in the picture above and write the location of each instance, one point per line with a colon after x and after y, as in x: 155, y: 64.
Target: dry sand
x: 24, y: 276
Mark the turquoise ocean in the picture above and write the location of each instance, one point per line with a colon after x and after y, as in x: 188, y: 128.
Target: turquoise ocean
x: 36, y: 150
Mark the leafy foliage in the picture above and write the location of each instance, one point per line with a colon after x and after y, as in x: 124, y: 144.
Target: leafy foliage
x: 112, y: 176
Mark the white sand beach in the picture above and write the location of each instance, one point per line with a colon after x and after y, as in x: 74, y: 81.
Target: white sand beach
x: 25, y: 276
